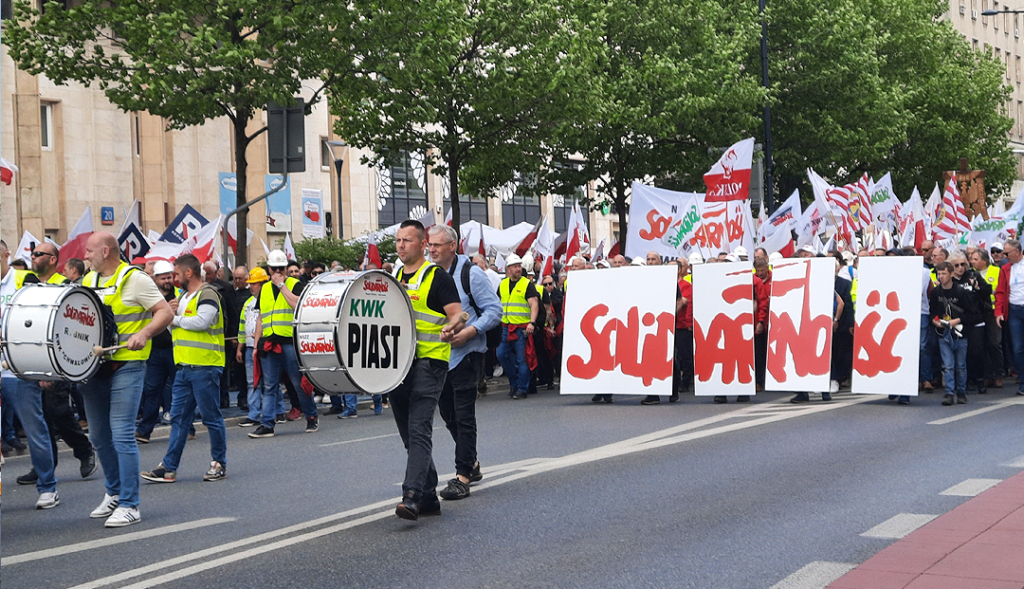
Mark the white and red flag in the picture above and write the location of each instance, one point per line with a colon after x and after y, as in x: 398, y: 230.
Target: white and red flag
x: 729, y: 178
x: 372, y: 254
x: 775, y: 233
x: 576, y: 233
x: 527, y: 242
x: 289, y: 249
x: 74, y: 247
x: 951, y: 216
x: 834, y: 204
x: 7, y: 170
x: 202, y: 243
x: 912, y: 222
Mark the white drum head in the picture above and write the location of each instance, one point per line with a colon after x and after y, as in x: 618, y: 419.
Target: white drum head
x: 376, y: 332
x: 77, y: 328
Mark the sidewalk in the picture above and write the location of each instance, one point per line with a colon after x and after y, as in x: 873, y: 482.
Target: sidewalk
x: 979, y: 545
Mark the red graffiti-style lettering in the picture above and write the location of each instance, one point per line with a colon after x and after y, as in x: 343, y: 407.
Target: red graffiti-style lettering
x: 724, y: 344
x: 655, y: 362
x: 878, y: 355
x: 658, y: 226
x: 803, y: 343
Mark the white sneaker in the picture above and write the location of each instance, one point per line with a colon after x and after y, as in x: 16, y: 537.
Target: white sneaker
x: 498, y: 371
x: 833, y: 387
x: 47, y: 501
x: 106, y: 506
x: 123, y: 516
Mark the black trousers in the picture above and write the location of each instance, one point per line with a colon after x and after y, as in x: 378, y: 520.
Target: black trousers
x: 760, y: 356
x: 457, y: 407
x: 682, y: 376
x: 413, y: 404
x: 977, y: 358
x: 842, y: 354
x: 61, y: 421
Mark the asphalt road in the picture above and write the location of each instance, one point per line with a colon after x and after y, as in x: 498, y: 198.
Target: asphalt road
x: 575, y: 494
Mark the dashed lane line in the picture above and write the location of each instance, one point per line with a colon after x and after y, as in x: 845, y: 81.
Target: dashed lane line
x: 815, y: 575
x: 993, y: 407
x: 899, y: 526
x: 1017, y: 462
x: 971, y: 487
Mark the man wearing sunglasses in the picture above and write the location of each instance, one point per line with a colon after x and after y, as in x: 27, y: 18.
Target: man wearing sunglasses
x: 970, y: 279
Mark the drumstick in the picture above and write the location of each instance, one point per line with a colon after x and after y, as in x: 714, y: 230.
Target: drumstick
x: 100, y: 350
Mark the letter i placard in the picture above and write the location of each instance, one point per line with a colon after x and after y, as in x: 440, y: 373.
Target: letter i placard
x: 619, y: 335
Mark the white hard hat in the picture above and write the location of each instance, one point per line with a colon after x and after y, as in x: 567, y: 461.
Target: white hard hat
x: 527, y: 262
x: 741, y: 252
x: 513, y: 259
x: 638, y: 261
x: 848, y: 257
x: 772, y: 257
x: 277, y: 259
x: 732, y: 258
x: 695, y: 258
x: 162, y: 267
x: 807, y: 249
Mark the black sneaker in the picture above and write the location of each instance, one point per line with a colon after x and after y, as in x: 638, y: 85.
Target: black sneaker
x: 720, y: 399
x: 743, y: 399
x: 29, y: 478
x: 800, y: 398
x: 88, y: 465
x: 262, y: 432
x: 430, y: 506
x: 948, y: 400
x: 312, y: 424
x: 455, y: 490
x: 476, y: 476
x: 651, y: 400
x: 248, y: 423
x: 281, y: 418
x: 334, y: 411
x: 961, y: 399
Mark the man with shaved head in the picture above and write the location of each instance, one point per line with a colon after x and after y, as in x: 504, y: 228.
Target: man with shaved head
x: 112, y: 396
x: 619, y: 261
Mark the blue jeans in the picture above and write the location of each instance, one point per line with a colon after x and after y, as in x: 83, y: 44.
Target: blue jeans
x: 928, y: 345
x: 273, y: 367
x: 954, y: 363
x: 196, y: 386
x: 255, y: 396
x: 26, y: 399
x: 512, y: 356
x: 350, y: 400
x: 1016, y: 322
x: 156, y: 389
x: 111, y: 403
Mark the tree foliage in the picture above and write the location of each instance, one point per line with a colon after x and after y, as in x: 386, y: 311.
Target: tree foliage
x: 188, y: 61
x: 882, y: 86
x: 474, y: 85
x: 328, y: 249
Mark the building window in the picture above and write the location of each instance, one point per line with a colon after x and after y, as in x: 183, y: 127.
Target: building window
x: 401, y: 189
x: 46, y: 125
x: 471, y: 208
x: 518, y: 205
x: 326, y: 158
x: 984, y: 7
x: 974, y: 44
x: 1020, y: 119
x: 138, y: 135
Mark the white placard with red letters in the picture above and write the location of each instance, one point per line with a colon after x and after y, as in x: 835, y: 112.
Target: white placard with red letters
x: 886, y: 342
x: 723, y: 329
x: 800, y: 325
x: 619, y: 335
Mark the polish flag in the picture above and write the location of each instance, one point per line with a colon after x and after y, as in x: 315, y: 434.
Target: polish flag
x: 74, y: 247
x: 598, y: 254
x: 615, y: 250
x: 780, y: 239
x: 527, y: 242
x: 545, y: 246
x: 202, y: 243
x: 372, y: 254
x: 729, y: 178
x: 289, y: 249
x: 577, y: 233
x: 912, y: 222
x: 7, y: 170
x: 448, y: 218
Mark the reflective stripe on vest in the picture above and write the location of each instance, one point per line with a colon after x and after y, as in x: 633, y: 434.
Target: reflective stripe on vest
x: 992, y: 277
x: 514, y: 308
x: 428, y: 322
x: 200, y: 348
x: 130, y: 319
x: 276, y: 313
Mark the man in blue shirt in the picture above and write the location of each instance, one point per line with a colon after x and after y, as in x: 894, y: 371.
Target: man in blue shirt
x: 457, y: 404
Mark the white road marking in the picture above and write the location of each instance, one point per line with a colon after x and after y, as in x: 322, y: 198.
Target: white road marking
x: 994, y: 406
x: 520, y: 469
x: 358, y: 440
x: 816, y: 575
x: 899, y: 526
x: 111, y: 541
x: 971, y: 487
x: 1015, y: 463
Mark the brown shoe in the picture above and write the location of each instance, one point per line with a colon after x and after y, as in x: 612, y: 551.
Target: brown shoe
x: 999, y: 382
x: 927, y: 386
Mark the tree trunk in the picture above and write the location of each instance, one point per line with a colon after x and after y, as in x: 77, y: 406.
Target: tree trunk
x: 453, y: 183
x: 620, y: 204
x: 241, y: 181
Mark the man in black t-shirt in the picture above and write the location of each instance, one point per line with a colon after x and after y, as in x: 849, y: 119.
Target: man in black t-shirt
x: 439, y: 317
x: 953, y: 310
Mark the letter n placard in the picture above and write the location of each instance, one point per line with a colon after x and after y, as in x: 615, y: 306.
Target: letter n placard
x: 619, y: 335
x: 723, y: 329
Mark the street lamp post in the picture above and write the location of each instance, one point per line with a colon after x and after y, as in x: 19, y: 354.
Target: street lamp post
x: 338, y: 149
x: 998, y: 12
x: 769, y: 167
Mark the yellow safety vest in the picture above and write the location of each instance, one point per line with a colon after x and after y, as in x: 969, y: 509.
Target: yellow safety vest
x: 243, y: 340
x: 276, y: 313
x: 20, y: 276
x: 688, y: 278
x: 428, y: 321
x: 514, y: 308
x: 992, y: 277
x: 853, y: 291
x: 200, y: 348
x: 129, y: 319
x: 57, y: 278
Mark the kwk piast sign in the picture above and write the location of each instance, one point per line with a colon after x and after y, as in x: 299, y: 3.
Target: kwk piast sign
x: 619, y: 335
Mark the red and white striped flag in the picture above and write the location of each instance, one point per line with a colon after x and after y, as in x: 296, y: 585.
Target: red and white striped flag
x: 951, y: 216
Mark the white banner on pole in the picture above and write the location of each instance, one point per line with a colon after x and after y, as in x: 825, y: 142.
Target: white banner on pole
x: 665, y: 222
x: 723, y: 329
x: 886, y: 342
x: 800, y: 325
x: 620, y: 339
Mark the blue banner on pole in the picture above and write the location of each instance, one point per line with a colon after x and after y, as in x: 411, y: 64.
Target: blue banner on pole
x: 184, y: 225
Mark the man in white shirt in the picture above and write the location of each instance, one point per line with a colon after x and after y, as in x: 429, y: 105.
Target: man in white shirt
x: 1010, y: 303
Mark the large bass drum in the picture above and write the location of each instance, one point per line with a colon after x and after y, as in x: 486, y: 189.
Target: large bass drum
x: 355, y: 332
x: 49, y: 332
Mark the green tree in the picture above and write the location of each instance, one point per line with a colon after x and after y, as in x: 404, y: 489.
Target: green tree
x: 188, y: 61
x: 474, y: 85
x: 882, y: 85
x: 670, y: 84
x: 328, y: 249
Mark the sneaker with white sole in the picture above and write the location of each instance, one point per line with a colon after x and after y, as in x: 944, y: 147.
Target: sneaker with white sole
x: 160, y: 474
x: 123, y: 516
x: 106, y: 507
x: 48, y: 500
x: 833, y: 387
x: 217, y: 472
